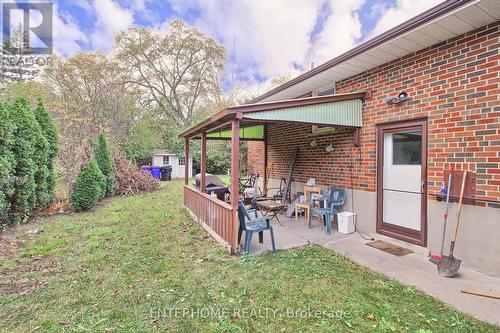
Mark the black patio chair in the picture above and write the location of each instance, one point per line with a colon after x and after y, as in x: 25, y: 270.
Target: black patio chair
x: 282, y: 192
x: 250, y: 182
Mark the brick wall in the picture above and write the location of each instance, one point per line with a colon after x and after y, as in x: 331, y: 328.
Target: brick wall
x: 328, y: 168
x: 255, y: 157
x: 454, y: 84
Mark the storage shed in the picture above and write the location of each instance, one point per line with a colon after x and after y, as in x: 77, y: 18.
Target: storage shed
x: 162, y: 157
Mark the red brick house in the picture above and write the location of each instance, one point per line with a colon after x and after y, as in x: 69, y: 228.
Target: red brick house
x: 391, y: 157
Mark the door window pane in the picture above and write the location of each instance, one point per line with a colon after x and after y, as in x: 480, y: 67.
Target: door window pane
x: 407, y: 148
x: 165, y: 160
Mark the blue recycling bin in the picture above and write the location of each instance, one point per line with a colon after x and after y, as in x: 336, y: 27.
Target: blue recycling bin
x: 155, y: 171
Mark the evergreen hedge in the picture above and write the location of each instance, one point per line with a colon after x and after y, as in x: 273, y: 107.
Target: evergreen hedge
x: 41, y: 160
x: 87, y: 189
x: 106, y: 164
x: 49, y: 132
x: 97, y: 179
x: 26, y: 159
x: 6, y: 162
x: 23, y: 200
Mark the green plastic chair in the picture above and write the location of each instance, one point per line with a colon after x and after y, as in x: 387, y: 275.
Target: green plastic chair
x: 256, y: 224
x: 335, y: 199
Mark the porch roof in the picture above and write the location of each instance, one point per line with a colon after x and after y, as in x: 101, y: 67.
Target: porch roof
x: 343, y: 110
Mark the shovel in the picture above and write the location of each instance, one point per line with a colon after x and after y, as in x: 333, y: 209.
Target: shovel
x: 448, y: 191
x: 448, y: 266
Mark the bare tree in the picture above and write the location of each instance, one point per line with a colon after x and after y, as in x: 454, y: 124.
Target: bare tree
x: 91, y: 88
x: 178, y: 70
x: 280, y: 79
x: 90, y: 98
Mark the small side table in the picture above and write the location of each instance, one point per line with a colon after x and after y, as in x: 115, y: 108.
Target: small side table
x: 306, y: 206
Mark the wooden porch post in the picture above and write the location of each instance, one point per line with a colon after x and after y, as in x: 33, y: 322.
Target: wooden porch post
x: 186, y: 165
x: 235, y: 176
x: 203, y: 171
x: 265, y: 161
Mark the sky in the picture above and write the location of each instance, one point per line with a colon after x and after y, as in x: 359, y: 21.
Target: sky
x: 264, y: 38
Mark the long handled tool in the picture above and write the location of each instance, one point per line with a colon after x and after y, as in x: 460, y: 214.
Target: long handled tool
x: 448, y: 266
x: 436, y: 259
x: 448, y: 191
x: 480, y: 294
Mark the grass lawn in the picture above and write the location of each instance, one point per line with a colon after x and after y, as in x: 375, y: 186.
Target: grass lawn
x: 139, y: 264
x: 226, y: 179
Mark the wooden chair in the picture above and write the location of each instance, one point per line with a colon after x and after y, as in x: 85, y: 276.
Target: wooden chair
x: 309, y: 191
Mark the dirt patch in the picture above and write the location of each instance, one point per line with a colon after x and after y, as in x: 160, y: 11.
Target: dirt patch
x: 20, y: 288
x: 60, y: 207
x: 9, y: 246
x: 28, y: 276
x: 19, y: 275
x: 103, y: 203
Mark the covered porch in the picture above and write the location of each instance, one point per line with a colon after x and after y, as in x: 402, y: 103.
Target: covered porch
x: 290, y: 234
x: 253, y: 122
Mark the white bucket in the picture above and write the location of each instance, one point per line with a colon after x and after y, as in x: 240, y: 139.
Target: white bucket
x: 347, y: 222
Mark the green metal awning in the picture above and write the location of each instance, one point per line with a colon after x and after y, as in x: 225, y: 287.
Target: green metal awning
x: 246, y: 133
x: 342, y: 113
x: 340, y: 110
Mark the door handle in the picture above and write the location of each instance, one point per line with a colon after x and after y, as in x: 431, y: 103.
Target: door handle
x: 423, y: 186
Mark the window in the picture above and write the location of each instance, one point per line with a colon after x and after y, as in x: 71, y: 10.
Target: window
x: 182, y: 161
x: 407, y: 148
x: 166, y: 160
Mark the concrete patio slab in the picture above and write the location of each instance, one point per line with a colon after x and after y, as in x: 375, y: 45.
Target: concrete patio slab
x: 284, y: 241
x: 290, y: 234
x: 413, y: 269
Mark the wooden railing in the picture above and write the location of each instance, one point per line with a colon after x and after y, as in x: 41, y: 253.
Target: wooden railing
x: 215, y: 216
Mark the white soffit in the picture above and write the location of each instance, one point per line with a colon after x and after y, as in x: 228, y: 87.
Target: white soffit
x: 469, y: 17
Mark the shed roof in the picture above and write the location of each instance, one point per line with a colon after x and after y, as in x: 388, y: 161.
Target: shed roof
x: 162, y: 152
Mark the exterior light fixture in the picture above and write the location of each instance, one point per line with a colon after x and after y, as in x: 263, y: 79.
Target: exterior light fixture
x: 402, y: 97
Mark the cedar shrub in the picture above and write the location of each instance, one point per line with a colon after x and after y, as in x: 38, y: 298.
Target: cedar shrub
x: 106, y: 163
x: 6, y: 162
x: 49, y: 132
x: 28, y: 147
x: 41, y: 160
x: 23, y: 199
x: 87, y: 189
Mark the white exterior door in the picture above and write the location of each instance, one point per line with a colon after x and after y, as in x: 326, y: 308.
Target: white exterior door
x: 401, y: 187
